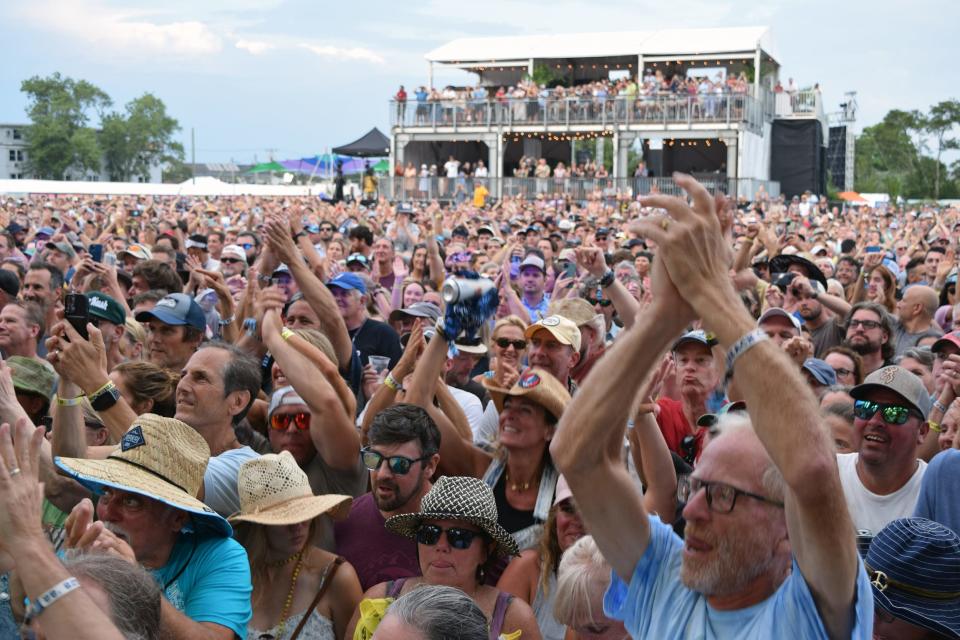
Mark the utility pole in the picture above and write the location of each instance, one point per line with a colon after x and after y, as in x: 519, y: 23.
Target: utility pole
x: 193, y: 156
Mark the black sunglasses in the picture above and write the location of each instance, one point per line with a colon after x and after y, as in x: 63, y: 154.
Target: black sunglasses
x: 505, y: 343
x: 603, y: 302
x: 429, y: 534
x: 398, y: 465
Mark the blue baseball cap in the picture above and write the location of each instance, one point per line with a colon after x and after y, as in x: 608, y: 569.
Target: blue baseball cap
x: 45, y: 231
x: 348, y: 281
x: 821, y: 371
x: 176, y: 309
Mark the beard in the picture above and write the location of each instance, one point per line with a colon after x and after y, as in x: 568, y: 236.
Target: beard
x: 738, y: 561
x: 812, y: 312
x: 399, y: 499
x: 863, y: 345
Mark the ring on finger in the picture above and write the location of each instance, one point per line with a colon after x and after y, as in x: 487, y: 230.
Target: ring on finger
x: 665, y: 223
x: 15, y: 471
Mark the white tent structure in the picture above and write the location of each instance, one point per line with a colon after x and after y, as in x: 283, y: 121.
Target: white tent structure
x: 205, y: 186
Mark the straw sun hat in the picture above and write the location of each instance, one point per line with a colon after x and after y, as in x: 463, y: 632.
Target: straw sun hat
x: 458, y: 498
x: 537, y: 385
x: 274, y: 490
x: 160, y: 458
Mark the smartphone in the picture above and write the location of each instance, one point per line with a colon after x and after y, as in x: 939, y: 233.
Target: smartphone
x: 570, y: 270
x: 515, y: 266
x: 96, y: 252
x: 76, y: 311
x: 873, y: 249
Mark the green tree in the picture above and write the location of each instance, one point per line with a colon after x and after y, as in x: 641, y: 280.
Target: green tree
x: 177, y: 171
x: 944, y: 118
x: 139, y: 138
x: 59, y: 137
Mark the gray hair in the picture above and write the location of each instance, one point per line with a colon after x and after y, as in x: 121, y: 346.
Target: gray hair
x: 241, y: 373
x: 439, y: 613
x: 923, y: 356
x: 627, y: 266
x: 583, y: 571
x: 771, y: 479
x: 134, y: 595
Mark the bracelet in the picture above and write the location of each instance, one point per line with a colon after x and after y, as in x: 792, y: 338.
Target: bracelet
x: 939, y: 406
x: 751, y: 339
x: 50, y: 596
x: 607, y: 279
x: 286, y: 333
x: 96, y: 394
x: 934, y: 426
x: 391, y: 382
x: 225, y: 321
x: 250, y: 327
x: 70, y: 402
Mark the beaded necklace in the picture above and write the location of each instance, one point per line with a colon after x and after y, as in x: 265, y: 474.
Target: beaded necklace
x: 293, y: 585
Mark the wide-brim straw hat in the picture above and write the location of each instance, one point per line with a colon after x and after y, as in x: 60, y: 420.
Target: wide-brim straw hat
x: 160, y: 458
x: 458, y: 498
x: 536, y: 385
x: 275, y: 491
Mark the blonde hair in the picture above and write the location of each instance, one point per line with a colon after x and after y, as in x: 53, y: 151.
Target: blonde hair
x: 511, y: 320
x: 320, y: 341
x: 583, y: 572
x: 253, y: 538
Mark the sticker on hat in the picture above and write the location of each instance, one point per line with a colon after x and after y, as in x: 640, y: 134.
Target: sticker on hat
x: 132, y: 439
x: 552, y: 321
x: 529, y: 381
x: 887, y: 375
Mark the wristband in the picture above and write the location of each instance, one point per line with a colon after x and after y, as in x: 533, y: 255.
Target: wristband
x: 225, y: 321
x: 48, y: 597
x: 939, y: 406
x: 250, y: 327
x: 96, y: 394
x: 286, y: 333
x: 298, y: 235
x: 70, y: 402
x: 607, y: 279
x: 934, y: 426
x: 391, y: 382
x: 749, y: 340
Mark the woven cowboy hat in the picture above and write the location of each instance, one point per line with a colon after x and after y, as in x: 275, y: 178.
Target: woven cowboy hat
x: 914, y: 570
x: 537, y: 385
x: 458, y: 498
x: 160, y: 458
x: 274, y: 490
x: 783, y: 262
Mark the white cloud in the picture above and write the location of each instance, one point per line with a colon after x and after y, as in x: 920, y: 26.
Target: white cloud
x: 344, y: 53
x: 254, y: 47
x: 117, y: 31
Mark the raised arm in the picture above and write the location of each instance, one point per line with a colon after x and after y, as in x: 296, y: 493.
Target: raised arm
x: 332, y: 430
x: 591, y: 259
x: 697, y: 255
x: 838, y: 305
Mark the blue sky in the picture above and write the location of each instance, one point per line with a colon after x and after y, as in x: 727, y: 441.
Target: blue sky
x: 297, y: 77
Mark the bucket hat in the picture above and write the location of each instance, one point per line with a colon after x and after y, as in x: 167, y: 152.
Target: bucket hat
x: 458, y: 498
x: 274, y: 490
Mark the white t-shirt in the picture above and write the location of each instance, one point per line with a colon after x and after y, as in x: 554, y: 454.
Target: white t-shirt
x: 452, y: 167
x: 220, y: 491
x: 870, y: 511
x: 471, y: 405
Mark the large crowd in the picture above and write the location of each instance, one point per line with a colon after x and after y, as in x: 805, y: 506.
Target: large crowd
x: 660, y: 417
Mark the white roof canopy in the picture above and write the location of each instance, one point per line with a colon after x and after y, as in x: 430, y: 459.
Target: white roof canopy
x: 663, y: 42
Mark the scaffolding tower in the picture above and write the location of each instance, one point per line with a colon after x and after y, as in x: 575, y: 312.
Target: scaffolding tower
x: 842, y: 148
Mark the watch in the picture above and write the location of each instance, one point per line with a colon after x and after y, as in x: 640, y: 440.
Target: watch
x: 607, y: 279
x: 299, y: 235
x: 106, y: 398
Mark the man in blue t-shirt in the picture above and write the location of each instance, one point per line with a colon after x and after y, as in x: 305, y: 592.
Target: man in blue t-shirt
x: 769, y: 548
x: 150, y: 513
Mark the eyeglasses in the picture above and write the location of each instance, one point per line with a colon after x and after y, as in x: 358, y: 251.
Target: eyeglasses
x: 721, y: 498
x: 866, y: 324
x: 841, y: 372
x: 398, y: 465
x: 891, y: 413
x: 248, y: 245
x: 603, y: 302
x: 326, y: 229
x: 429, y: 534
x: 280, y: 421
x: 504, y: 343
x: 230, y: 260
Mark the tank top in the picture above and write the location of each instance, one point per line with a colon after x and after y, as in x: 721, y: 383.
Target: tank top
x: 542, y: 607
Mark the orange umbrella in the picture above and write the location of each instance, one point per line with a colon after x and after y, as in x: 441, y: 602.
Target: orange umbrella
x: 851, y: 196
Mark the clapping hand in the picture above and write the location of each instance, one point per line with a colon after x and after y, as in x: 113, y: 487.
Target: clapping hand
x: 21, y: 494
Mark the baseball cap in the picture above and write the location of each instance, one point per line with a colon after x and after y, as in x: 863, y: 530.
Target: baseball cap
x: 106, y: 308
x: 196, y: 241
x: 699, y: 336
x: 563, y: 329
x: 233, y: 251
x: 821, y: 371
x: 175, y: 309
x: 358, y: 257
x: 710, y: 419
x: 348, y: 281
x: 31, y: 376
x: 565, y: 225
x: 577, y: 310
x: 45, y: 231
x: 901, y: 382
x: 533, y: 260
x: 952, y: 338
x: 9, y: 283
x: 417, y: 310
x: 782, y: 313
x: 13, y: 228
x: 472, y: 345
x: 282, y: 396
x: 64, y: 248
x: 137, y: 251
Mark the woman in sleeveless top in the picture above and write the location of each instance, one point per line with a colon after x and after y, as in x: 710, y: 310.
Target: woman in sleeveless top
x: 299, y: 591
x: 533, y: 576
x: 457, y: 539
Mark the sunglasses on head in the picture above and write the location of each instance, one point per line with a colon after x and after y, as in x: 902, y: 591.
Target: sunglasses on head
x: 505, y: 343
x: 891, y: 413
x: 281, y: 421
x: 398, y: 465
x: 603, y: 302
x: 429, y: 534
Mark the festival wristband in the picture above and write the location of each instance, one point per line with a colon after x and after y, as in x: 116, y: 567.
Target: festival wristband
x: 742, y: 345
x: 48, y: 597
x: 935, y: 426
x: 392, y: 383
x: 287, y: 333
x: 939, y: 406
x: 70, y: 402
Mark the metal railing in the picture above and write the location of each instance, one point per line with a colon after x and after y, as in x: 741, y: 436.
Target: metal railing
x: 463, y: 189
x: 719, y: 109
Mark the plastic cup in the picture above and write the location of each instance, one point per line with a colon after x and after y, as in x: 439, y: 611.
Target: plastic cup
x: 379, y: 363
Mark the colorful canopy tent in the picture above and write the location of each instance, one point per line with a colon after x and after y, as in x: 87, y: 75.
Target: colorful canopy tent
x: 382, y: 167
x: 852, y: 197
x: 267, y: 167
x: 373, y: 145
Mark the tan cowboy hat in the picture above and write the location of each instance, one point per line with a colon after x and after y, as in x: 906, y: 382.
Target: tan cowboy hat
x: 160, y: 458
x: 458, y: 498
x: 537, y: 385
x: 274, y: 490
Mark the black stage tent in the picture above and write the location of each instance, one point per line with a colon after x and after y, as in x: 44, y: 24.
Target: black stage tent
x: 373, y: 145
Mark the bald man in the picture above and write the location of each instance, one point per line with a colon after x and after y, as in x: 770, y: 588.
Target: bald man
x: 915, y: 312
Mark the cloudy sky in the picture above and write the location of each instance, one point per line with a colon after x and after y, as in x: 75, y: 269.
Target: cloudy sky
x: 292, y: 78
